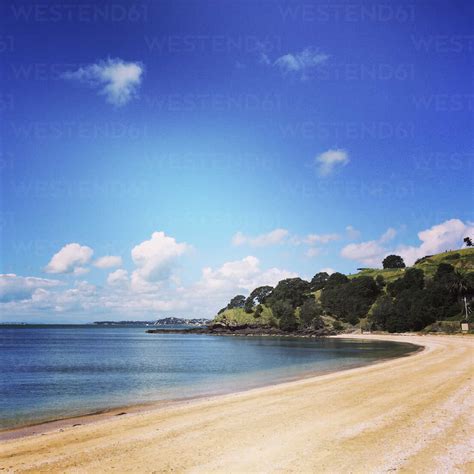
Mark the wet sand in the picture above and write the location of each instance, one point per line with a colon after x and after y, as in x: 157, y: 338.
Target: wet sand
x: 413, y: 414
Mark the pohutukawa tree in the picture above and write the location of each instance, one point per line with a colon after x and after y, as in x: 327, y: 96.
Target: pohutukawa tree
x: 393, y: 261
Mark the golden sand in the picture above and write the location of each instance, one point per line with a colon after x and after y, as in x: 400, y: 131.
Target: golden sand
x: 412, y: 414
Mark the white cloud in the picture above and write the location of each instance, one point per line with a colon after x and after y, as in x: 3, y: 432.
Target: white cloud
x: 116, y: 79
x: 240, y: 275
x: 370, y: 253
x: 155, y: 259
x: 328, y: 161
x: 445, y: 236
x: 274, y: 237
x: 118, y: 277
x: 18, y: 288
x: 301, y: 62
x: 388, y: 235
x: 321, y: 238
x: 352, y: 233
x: 108, y: 261
x: 70, y: 259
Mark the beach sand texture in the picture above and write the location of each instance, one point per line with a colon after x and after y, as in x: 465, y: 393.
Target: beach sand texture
x: 412, y: 414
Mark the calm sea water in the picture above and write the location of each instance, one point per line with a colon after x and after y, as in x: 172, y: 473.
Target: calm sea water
x: 59, y: 371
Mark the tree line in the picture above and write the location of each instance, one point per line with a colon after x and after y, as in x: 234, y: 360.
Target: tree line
x: 409, y: 303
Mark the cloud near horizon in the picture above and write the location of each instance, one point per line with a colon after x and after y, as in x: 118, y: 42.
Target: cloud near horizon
x: 115, y: 79
x: 445, y: 236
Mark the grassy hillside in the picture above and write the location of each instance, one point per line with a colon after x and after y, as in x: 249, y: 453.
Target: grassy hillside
x: 237, y: 316
x: 462, y: 260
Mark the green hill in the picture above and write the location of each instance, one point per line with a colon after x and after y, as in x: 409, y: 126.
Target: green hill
x: 462, y: 260
x: 336, y: 304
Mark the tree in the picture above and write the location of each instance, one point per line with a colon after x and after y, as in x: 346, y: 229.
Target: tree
x: 236, y: 302
x: 258, y: 311
x: 468, y: 241
x: 259, y: 295
x: 336, y: 279
x: 292, y: 290
x: 351, y: 300
x: 413, y: 278
x: 393, y: 261
x: 319, y: 281
x: 383, y: 309
x: 310, y: 314
x: 285, y: 313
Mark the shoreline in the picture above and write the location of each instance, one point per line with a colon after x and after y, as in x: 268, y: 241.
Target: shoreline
x: 47, y: 426
x: 418, y: 408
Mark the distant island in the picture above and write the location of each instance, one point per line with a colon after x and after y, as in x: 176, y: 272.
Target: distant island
x: 434, y: 295
x: 171, y: 321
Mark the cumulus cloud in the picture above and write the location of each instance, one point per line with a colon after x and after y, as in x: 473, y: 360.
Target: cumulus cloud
x: 327, y: 162
x: 321, y: 238
x: 116, y: 79
x: 274, y: 237
x: 18, y: 288
x: 155, y: 259
x: 370, y: 252
x: 239, y: 275
x: 70, y: 259
x: 301, y: 63
x: 118, y: 277
x: 447, y: 235
x: 108, y: 261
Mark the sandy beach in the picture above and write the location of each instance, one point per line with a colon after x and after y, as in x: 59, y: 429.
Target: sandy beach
x: 412, y: 414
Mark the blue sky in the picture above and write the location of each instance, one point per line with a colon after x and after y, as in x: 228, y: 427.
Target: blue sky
x: 208, y: 147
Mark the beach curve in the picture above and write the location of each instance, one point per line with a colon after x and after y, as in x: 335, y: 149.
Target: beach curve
x: 412, y: 414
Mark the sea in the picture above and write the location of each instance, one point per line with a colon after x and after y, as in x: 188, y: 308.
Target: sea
x: 51, y: 372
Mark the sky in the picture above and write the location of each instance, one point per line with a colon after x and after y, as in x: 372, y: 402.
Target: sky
x: 158, y: 158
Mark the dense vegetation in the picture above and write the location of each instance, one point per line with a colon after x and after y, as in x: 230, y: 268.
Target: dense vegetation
x: 394, y: 299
